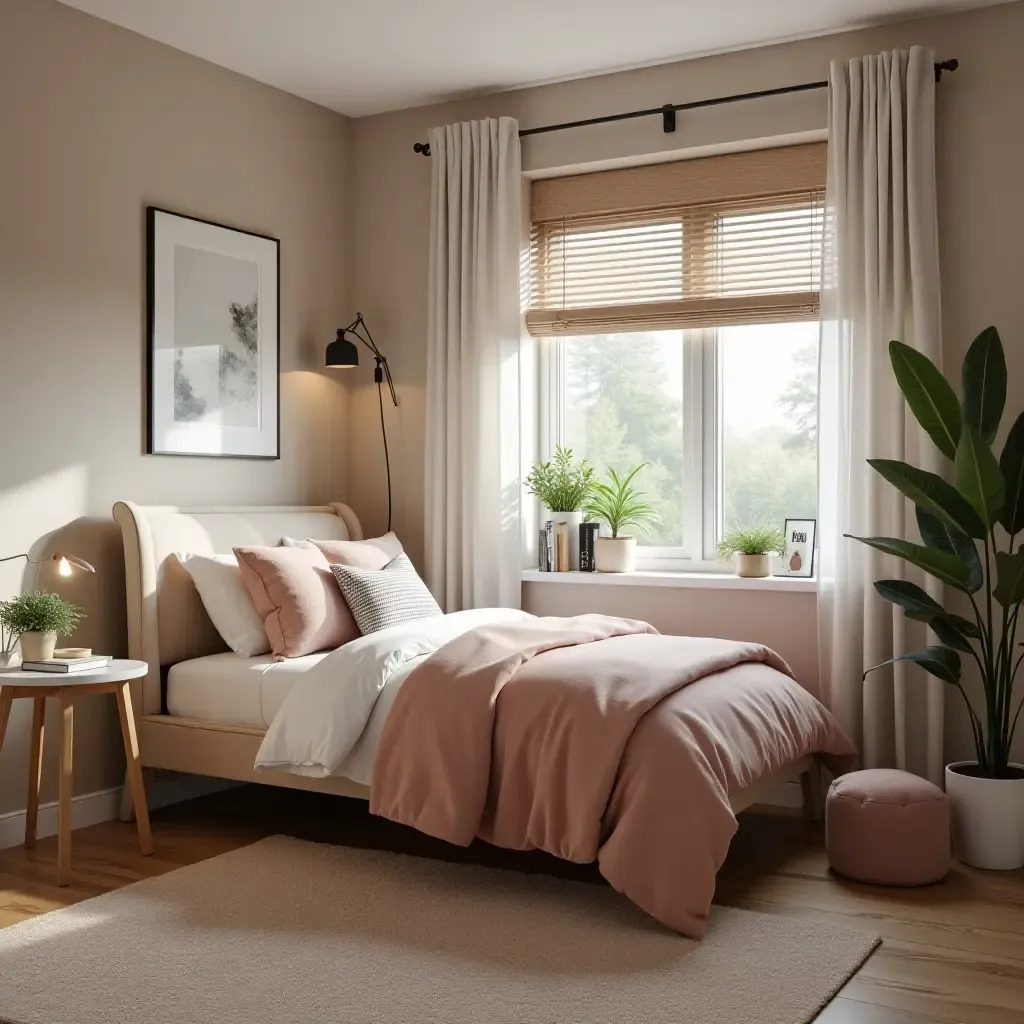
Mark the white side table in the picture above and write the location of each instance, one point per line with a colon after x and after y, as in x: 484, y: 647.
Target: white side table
x: 115, y: 679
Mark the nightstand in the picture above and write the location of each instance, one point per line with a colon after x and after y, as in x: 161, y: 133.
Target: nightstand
x: 67, y: 687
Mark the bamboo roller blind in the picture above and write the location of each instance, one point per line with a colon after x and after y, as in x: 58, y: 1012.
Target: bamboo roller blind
x: 711, y: 242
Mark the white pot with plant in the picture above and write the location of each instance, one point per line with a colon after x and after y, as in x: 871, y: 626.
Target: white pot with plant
x: 563, y: 485
x: 752, y: 547
x: 620, y: 505
x: 36, y: 620
x: 958, y: 525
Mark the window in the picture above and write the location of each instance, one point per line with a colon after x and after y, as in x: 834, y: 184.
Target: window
x: 683, y: 332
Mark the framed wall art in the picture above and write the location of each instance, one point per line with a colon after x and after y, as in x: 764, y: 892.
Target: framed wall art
x: 798, y: 558
x: 213, y: 343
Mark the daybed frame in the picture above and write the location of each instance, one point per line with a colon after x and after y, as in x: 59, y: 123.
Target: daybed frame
x: 167, y: 624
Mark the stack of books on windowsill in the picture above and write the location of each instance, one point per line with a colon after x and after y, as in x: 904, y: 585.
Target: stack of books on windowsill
x: 64, y: 666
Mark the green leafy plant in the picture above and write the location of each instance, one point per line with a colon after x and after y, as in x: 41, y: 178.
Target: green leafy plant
x: 958, y: 523
x: 563, y: 484
x: 620, y: 504
x: 759, y: 539
x: 38, y: 612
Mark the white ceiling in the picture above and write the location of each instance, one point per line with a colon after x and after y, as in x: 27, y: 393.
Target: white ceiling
x: 367, y: 56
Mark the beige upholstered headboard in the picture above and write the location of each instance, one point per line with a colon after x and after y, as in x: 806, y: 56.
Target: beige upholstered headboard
x: 166, y: 619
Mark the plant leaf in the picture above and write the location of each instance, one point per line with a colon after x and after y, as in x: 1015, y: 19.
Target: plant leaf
x: 978, y: 477
x: 937, y: 534
x: 1009, y: 577
x: 931, y: 492
x: 930, y: 396
x: 950, y: 634
x: 941, y: 662
x: 984, y: 383
x: 910, y: 597
x: 1011, y: 464
x: 940, y: 564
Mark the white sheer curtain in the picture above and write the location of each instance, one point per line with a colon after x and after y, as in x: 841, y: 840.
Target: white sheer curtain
x: 881, y: 282
x: 473, y: 438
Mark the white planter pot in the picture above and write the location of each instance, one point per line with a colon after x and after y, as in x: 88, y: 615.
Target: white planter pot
x: 573, y: 519
x: 37, y: 646
x: 615, y: 554
x: 753, y: 566
x: 987, y: 817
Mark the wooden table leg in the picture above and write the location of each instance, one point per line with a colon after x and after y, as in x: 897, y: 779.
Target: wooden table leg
x: 134, y: 767
x: 66, y: 772
x: 5, y: 711
x: 35, y: 771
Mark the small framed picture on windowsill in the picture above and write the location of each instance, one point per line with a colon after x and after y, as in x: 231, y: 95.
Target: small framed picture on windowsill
x: 798, y: 558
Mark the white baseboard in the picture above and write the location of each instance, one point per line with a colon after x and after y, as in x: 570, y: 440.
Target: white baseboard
x: 105, y: 804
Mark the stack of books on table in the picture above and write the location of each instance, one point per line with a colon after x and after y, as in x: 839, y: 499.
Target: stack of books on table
x: 66, y: 665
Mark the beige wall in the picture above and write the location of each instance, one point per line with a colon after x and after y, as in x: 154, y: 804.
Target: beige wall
x: 980, y: 155
x: 95, y: 124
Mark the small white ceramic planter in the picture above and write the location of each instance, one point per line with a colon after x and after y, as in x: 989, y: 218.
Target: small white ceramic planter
x: 615, y: 554
x: 987, y: 817
x: 37, y: 646
x: 753, y: 566
x: 573, y: 519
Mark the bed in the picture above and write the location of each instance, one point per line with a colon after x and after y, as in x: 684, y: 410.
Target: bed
x: 203, y: 710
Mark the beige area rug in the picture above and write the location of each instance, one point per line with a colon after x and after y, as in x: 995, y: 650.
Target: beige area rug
x: 290, y: 932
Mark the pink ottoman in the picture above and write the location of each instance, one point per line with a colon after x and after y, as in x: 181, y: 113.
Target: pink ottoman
x: 888, y: 828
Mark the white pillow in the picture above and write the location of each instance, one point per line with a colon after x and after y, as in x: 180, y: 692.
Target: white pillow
x: 227, y: 602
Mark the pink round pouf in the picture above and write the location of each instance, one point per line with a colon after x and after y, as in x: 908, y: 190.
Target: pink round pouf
x: 887, y: 827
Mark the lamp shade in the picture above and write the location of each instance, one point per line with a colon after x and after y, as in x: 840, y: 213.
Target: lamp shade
x: 341, y: 352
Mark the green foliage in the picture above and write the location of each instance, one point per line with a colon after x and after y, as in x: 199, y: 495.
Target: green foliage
x: 958, y: 530
x: 563, y: 484
x: 759, y: 539
x: 38, y: 612
x: 620, y: 504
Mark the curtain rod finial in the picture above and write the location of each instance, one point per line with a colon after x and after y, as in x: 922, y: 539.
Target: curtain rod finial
x: 421, y: 147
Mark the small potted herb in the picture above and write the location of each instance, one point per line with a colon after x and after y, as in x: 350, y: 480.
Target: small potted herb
x: 620, y: 505
x: 563, y: 486
x: 753, y: 547
x: 37, y: 619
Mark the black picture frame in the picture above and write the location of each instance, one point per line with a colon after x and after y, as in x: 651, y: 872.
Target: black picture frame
x: 812, y: 546
x: 156, y: 220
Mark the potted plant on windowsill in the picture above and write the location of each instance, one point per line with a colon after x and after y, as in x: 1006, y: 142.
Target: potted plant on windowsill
x: 620, y: 505
x: 753, y: 547
x: 563, y: 486
x: 958, y: 525
x: 37, y: 619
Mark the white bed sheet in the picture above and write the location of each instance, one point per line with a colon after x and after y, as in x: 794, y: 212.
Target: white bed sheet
x: 232, y: 690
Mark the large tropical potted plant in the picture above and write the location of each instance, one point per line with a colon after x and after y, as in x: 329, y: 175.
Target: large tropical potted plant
x: 619, y: 504
x: 969, y: 530
x: 563, y: 486
x: 37, y: 619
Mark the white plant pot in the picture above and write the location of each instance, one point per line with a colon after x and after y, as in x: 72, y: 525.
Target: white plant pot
x: 573, y: 519
x: 615, y: 554
x: 753, y: 566
x: 987, y: 817
x: 37, y: 646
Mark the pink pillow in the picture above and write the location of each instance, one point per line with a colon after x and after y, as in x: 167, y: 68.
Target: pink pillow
x: 373, y: 553
x: 293, y: 589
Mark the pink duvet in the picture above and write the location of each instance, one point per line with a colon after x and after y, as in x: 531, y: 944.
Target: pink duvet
x: 597, y: 738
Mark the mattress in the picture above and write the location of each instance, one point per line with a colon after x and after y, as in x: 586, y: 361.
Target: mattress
x: 232, y: 690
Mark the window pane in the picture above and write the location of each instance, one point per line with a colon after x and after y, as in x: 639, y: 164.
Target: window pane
x: 623, y: 405
x: 769, y: 411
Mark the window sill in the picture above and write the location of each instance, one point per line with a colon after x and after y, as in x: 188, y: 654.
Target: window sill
x: 694, y: 580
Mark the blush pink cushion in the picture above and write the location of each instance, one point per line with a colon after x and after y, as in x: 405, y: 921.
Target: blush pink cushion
x: 373, y: 553
x: 887, y: 827
x: 293, y: 589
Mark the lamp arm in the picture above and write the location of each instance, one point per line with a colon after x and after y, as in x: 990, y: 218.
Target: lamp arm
x: 382, y: 362
x: 10, y: 558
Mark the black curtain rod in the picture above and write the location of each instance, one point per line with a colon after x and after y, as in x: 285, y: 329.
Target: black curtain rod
x: 668, y: 111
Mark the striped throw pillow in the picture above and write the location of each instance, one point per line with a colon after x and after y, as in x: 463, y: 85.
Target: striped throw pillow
x: 379, y: 598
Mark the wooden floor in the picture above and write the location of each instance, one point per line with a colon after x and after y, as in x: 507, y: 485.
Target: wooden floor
x: 953, y: 952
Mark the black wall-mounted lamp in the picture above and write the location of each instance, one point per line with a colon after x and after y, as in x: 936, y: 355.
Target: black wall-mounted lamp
x: 343, y: 354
